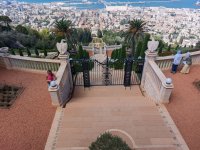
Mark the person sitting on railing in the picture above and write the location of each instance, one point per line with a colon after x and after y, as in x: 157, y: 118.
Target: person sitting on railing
x: 187, y: 61
x: 50, y: 77
x: 176, y: 61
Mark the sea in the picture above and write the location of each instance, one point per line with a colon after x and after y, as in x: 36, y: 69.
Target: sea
x: 99, y: 4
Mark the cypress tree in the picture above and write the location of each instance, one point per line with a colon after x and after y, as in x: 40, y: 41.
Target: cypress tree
x: 169, y: 48
x: 36, y: 52
x: 45, y: 52
x: 20, y: 52
x: 12, y: 51
x: 80, y: 51
x: 114, y: 54
x: 117, y: 54
x: 99, y: 34
x: 28, y: 52
x: 160, y: 47
x: 144, y: 45
x: 177, y: 47
x: 86, y: 54
x: 123, y: 52
x: 120, y: 54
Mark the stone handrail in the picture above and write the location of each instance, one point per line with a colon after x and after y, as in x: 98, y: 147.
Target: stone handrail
x: 61, y: 94
x: 29, y: 64
x: 165, y: 63
x: 155, y: 83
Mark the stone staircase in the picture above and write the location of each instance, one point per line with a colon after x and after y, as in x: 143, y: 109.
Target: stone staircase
x: 123, y: 112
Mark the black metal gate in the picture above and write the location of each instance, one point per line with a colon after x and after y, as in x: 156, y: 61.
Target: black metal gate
x: 91, y: 72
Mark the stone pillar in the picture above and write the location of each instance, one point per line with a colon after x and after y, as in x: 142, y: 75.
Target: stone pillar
x: 148, y: 56
x: 54, y: 96
x: 165, y: 92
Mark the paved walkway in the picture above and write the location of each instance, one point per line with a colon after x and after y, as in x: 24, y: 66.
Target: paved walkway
x: 184, y: 106
x: 125, y: 113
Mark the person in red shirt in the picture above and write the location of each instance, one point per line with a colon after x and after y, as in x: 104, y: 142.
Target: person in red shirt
x: 50, y: 77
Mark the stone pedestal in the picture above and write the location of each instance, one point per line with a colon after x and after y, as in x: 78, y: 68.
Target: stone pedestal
x: 63, y: 57
x: 54, y: 96
x: 165, y: 92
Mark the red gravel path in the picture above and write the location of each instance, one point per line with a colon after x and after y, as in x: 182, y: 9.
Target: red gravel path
x: 26, y: 125
x: 185, y: 106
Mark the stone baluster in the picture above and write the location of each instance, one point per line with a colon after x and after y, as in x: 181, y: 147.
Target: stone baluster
x: 166, y: 90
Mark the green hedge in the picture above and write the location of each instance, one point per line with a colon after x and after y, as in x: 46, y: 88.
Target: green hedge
x: 109, y: 142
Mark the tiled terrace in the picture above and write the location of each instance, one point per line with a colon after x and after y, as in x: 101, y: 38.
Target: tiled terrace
x: 26, y: 125
x: 184, y: 106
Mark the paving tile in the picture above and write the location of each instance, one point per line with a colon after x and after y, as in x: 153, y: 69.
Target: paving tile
x: 162, y: 141
x: 96, y: 110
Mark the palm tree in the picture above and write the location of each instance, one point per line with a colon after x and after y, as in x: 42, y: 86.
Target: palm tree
x: 135, y: 31
x: 65, y: 28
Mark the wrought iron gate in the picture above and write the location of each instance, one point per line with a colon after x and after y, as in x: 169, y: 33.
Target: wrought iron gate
x: 91, y: 72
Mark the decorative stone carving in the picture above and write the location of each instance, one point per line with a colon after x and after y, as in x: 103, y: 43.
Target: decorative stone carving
x: 152, y: 46
x: 62, y: 47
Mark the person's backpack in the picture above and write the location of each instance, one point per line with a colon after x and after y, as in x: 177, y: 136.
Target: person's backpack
x: 189, y: 61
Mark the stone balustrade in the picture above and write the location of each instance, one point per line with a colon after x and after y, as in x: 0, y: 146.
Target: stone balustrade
x: 154, y: 81
x: 28, y: 63
x: 61, y: 95
x: 165, y: 63
x: 156, y: 85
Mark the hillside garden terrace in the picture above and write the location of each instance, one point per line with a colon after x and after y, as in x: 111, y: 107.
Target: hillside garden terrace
x: 39, y: 119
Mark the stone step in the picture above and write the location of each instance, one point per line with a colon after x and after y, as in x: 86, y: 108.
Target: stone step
x: 92, y: 111
x: 108, y: 91
x: 136, y: 101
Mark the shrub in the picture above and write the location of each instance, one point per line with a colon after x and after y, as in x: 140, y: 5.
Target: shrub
x: 28, y: 52
x: 109, y: 142
x: 21, y: 29
x: 166, y: 53
x: 12, y: 51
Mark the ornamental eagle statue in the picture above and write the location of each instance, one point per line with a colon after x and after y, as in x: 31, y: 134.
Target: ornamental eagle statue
x: 62, y: 46
x: 152, y: 46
